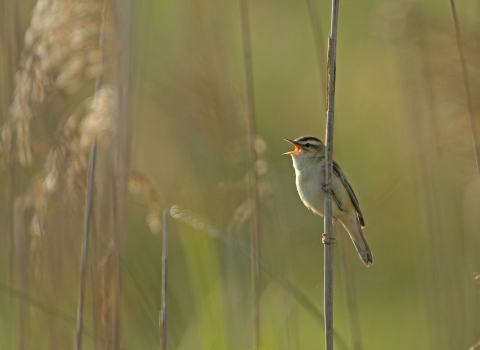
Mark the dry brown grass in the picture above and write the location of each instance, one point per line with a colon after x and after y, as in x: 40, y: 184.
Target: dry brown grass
x: 56, y: 113
x: 60, y: 60
x: 60, y: 53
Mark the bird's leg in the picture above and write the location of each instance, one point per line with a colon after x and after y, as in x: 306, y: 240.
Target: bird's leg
x: 327, y: 189
x: 328, y: 240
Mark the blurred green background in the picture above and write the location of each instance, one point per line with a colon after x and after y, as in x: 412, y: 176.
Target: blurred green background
x: 402, y: 136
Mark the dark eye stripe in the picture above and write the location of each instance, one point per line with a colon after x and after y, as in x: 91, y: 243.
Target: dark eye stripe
x: 307, y: 139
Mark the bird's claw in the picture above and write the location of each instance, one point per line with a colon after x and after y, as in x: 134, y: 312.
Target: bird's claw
x: 327, y: 189
x: 328, y: 239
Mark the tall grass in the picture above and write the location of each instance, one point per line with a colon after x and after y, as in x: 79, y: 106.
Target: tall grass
x: 178, y: 70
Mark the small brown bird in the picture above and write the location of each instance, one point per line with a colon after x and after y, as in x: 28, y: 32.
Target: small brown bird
x: 309, y: 163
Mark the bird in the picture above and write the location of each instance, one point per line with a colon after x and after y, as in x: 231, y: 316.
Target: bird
x: 309, y: 164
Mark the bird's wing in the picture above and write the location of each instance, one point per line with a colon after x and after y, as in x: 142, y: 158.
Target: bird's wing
x: 338, y: 171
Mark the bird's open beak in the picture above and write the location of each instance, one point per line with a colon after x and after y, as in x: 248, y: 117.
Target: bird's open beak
x: 297, y: 149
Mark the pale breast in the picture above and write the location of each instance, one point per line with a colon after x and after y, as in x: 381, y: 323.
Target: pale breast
x: 310, y: 182
x: 310, y: 188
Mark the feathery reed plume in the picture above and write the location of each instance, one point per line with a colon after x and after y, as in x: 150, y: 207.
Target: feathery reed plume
x: 54, y: 119
x: 99, y: 122
x: 58, y: 65
x: 139, y: 183
x: 66, y: 161
x: 244, y: 210
x: 475, y: 346
x: 61, y: 50
x: 60, y: 55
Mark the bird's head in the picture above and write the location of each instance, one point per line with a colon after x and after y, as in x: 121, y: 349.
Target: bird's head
x: 306, y: 147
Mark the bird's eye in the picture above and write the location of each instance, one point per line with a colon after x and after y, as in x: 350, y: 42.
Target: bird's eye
x: 307, y: 145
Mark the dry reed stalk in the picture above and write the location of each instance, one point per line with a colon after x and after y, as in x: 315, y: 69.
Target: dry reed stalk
x: 106, y: 271
x: 445, y: 138
x: 441, y: 128
x: 21, y: 271
x: 254, y: 184
x: 477, y: 280
x: 163, y: 311
x: 84, y: 254
x: 125, y: 15
x: 448, y: 75
x: 95, y: 281
x: 441, y: 271
x: 10, y: 43
x: 351, y: 304
x: 319, y: 44
x: 414, y: 105
x: 111, y: 301
x: 10, y: 46
x: 117, y: 278
x: 328, y: 238
x: 467, y: 85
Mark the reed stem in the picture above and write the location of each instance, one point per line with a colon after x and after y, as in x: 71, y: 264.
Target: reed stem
x: 328, y: 237
x: 254, y: 188
x: 84, y: 254
x: 466, y: 84
x: 163, y: 310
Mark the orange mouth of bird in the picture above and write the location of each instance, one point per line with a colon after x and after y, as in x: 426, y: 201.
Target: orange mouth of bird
x: 297, y: 149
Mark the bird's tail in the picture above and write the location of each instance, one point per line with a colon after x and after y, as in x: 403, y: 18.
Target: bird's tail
x: 361, y: 244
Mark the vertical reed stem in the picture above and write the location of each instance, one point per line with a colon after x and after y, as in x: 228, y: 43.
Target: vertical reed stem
x: 349, y: 290
x: 163, y: 311
x: 254, y: 191
x: 10, y: 43
x: 319, y: 44
x: 466, y: 83
x: 84, y: 254
x: 328, y: 238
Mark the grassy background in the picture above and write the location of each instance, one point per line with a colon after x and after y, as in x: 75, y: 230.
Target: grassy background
x: 402, y: 136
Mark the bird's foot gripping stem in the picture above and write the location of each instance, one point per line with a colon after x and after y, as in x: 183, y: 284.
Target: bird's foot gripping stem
x: 327, y: 189
x: 328, y: 239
